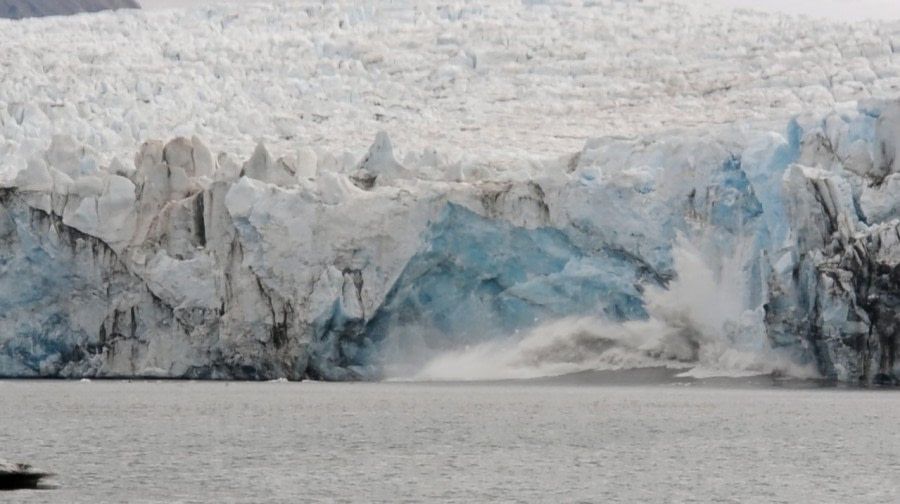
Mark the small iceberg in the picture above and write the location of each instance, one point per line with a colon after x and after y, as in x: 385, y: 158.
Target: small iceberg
x: 20, y: 476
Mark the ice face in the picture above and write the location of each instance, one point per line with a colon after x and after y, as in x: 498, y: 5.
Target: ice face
x: 162, y: 270
x: 477, y: 279
x: 832, y: 295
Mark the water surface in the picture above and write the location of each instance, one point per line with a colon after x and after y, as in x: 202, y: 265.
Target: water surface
x: 149, y: 442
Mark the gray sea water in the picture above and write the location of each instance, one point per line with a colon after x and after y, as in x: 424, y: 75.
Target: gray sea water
x: 186, y: 442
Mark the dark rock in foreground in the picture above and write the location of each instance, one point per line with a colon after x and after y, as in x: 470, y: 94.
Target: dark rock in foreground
x: 18, y: 9
x: 20, y: 476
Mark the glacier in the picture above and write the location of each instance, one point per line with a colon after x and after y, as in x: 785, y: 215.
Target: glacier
x: 748, y: 228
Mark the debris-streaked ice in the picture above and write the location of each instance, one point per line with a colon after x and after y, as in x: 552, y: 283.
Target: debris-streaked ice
x: 355, y: 190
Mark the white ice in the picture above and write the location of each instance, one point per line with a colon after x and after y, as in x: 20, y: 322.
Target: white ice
x: 493, y: 83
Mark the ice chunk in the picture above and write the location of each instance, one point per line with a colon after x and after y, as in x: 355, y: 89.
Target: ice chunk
x: 35, y: 178
x: 379, y: 164
x: 262, y: 167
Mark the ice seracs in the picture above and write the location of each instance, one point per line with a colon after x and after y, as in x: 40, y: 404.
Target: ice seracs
x: 379, y: 163
x: 492, y: 83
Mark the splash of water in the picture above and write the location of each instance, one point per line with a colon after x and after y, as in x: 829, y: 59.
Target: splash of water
x: 699, y: 323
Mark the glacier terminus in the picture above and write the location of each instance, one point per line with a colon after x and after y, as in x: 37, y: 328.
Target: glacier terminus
x: 478, y: 197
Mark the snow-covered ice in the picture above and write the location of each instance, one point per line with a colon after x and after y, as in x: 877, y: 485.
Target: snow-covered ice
x: 493, y: 83
x: 354, y: 190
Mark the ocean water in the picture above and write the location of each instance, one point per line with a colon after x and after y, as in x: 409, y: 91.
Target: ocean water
x: 186, y: 442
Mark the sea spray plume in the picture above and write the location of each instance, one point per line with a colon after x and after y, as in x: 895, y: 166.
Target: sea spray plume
x: 704, y: 319
x: 698, y: 323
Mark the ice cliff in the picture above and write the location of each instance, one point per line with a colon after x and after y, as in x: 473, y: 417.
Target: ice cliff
x: 191, y: 265
x: 697, y: 240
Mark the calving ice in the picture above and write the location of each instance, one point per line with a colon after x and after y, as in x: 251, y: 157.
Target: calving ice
x: 697, y: 241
